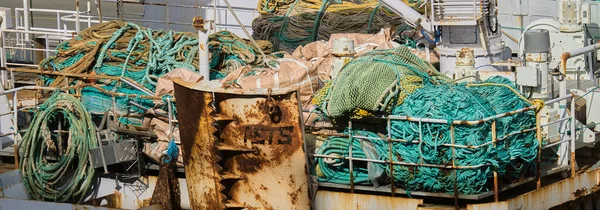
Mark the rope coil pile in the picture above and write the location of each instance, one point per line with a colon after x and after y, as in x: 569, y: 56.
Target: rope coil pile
x: 292, y: 23
x: 141, y: 54
x: 427, y: 95
x: 70, y: 176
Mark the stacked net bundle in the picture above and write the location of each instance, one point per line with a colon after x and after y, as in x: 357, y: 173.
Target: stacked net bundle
x: 512, y: 156
x: 142, y: 55
x: 292, y: 23
x: 230, y: 52
x: 376, y: 81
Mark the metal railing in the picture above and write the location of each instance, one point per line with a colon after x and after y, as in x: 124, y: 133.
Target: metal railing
x: 456, y: 12
x: 171, y: 119
x: 566, y: 143
x: 61, y: 26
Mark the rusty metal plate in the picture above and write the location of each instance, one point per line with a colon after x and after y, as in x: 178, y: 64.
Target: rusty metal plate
x: 351, y: 201
x: 242, y: 149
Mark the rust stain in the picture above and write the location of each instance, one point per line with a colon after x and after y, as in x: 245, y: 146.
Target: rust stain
x: 198, y: 23
x: 260, y: 141
x: 580, y: 192
x: 199, y: 148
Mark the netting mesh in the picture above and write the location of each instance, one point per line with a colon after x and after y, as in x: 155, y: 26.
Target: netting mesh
x: 424, y: 144
x: 376, y: 80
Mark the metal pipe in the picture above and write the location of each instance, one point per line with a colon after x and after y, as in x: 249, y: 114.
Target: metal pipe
x: 408, y: 13
x: 554, y: 122
x: 136, y: 86
x: 203, y: 46
x: 452, y: 140
x: 417, y: 142
x: 3, y: 75
x: 390, y: 155
x: 184, y: 6
x: 350, y: 139
x: 77, y: 16
x: 101, y: 152
x: 573, y: 136
x: 556, y: 143
x: 169, y: 109
x: 99, y: 9
x: 461, y: 122
x: 495, y: 169
x: 558, y: 99
x: 399, y: 163
x: 26, y: 17
x: 538, y: 134
x: 67, y: 18
x: 16, y: 129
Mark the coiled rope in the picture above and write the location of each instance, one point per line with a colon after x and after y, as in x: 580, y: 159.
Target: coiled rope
x: 143, y: 55
x: 512, y: 156
x: 68, y: 177
x: 292, y: 23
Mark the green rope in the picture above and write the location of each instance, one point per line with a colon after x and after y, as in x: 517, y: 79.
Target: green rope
x: 70, y: 176
x: 513, y: 156
x: 370, y: 23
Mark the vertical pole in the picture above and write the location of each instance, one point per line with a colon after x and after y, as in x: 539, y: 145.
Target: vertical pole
x: 350, y: 139
x: 495, y: 169
x: 120, y: 9
x: 538, y: 133
x: 47, y: 47
x: 16, y: 129
x: 99, y: 8
x: 3, y: 74
x: 167, y: 13
x: 391, y: 154
x: 77, y: 16
x: 203, y: 27
x: 573, y: 136
x: 169, y: 104
x: 26, y: 18
x: 57, y: 22
x: 453, y: 166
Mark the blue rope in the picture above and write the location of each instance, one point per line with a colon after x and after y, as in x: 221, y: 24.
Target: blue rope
x: 172, y: 152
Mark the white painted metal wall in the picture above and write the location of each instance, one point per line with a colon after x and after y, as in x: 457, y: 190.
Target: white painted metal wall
x: 515, y: 15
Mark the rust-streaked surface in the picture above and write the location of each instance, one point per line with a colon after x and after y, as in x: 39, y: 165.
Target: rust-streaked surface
x: 242, y: 149
x: 349, y: 201
x: 570, y: 189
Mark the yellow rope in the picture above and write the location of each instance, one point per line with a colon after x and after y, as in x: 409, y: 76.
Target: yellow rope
x: 538, y: 103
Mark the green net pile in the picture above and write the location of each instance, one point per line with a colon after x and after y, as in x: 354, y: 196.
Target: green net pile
x: 143, y: 55
x: 292, y: 23
x: 376, y: 81
x: 512, y: 156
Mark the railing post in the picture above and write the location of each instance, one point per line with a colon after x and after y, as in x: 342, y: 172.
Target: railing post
x: 538, y: 134
x: 573, y: 136
x: 351, y: 140
x: 495, y: 169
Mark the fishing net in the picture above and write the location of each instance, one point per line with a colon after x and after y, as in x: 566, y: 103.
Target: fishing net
x: 292, y: 23
x: 512, y: 156
x: 142, y: 55
x: 376, y: 81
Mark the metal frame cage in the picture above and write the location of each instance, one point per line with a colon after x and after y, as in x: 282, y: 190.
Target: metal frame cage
x: 565, y: 145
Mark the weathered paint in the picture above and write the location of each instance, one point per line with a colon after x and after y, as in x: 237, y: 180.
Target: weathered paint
x: 107, y: 192
x: 12, y: 203
x: 350, y: 201
x: 552, y: 195
x: 242, y: 148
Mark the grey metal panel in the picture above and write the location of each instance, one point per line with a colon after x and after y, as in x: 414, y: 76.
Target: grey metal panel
x: 11, y: 185
x: 116, y: 153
